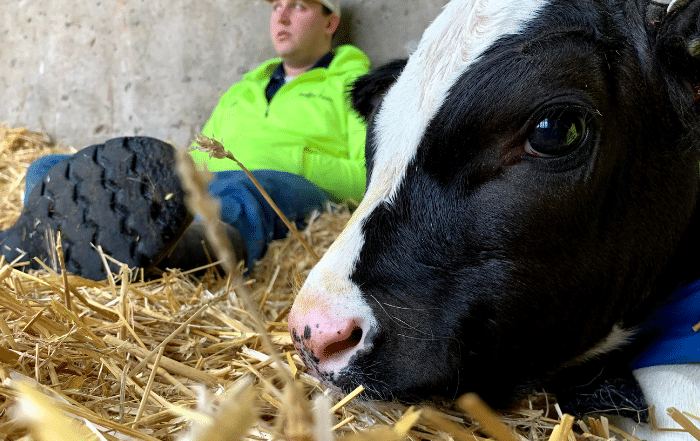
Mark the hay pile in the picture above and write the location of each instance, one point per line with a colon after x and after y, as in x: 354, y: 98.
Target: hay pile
x: 181, y: 358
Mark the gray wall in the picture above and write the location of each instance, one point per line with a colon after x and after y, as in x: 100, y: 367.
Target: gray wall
x: 90, y: 70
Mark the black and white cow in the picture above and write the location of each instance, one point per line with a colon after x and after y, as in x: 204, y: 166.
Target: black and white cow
x: 532, y: 188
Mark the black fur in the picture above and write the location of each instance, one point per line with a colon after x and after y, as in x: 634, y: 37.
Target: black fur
x: 510, y: 266
x: 368, y: 90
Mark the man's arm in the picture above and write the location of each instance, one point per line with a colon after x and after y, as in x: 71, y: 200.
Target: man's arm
x: 342, y: 178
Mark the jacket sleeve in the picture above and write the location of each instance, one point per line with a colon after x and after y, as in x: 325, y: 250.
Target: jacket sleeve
x: 210, y: 130
x: 342, y: 178
x: 216, y: 127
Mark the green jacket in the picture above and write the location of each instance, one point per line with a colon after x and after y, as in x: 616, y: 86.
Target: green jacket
x: 308, y: 128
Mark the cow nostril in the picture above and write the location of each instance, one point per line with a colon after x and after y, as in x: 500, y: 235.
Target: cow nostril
x: 348, y: 342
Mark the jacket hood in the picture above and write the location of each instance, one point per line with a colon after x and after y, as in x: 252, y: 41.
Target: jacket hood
x: 347, y: 58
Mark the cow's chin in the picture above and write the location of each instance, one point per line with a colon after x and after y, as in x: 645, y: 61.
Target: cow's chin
x: 385, y: 375
x: 377, y: 389
x: 395, y: 371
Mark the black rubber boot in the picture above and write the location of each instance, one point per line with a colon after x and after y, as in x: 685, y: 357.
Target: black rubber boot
x: 123, y: 195
x: 194, y: 250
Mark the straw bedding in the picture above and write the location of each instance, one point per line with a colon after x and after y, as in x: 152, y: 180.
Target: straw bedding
x: 191, y: 358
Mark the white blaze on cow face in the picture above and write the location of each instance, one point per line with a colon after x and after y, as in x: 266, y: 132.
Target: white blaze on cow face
x: 454, y: 41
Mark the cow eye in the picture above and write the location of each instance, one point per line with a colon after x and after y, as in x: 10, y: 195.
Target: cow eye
x: 557, y: 134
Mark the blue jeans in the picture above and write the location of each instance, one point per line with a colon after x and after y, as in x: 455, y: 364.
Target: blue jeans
x: 242, y: 205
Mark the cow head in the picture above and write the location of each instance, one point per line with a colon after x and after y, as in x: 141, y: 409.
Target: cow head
x: 532, y: 170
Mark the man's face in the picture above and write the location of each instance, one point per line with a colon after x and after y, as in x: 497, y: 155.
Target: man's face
x: 299, y: 29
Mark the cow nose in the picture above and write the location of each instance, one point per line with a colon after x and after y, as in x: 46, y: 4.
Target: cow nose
x: 326, y: 341
x: 335, y: 339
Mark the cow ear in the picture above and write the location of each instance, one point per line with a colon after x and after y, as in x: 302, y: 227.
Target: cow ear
x: 678, y: 45
x: 368, y: 90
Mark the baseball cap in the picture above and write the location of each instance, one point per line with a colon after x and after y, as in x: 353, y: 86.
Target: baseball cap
x: 333, y: 5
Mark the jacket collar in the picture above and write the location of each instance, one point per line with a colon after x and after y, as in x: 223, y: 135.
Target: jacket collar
x: 277, y: 77
x: 324, y: 61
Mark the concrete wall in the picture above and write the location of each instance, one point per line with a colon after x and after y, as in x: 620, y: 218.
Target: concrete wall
x: 90, y: 70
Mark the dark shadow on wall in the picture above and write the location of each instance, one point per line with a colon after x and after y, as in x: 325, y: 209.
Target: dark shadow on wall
x: 344, y: 34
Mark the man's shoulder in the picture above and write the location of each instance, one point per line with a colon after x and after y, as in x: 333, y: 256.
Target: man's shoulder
x: 350, y: 55
x: 348, y: 63
x: 256, y: 79
x: 350, y: 49
x: 264, y: 70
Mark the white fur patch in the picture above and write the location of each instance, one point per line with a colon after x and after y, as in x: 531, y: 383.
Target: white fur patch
x: 616, y: 338
x: 670, y: 5
x: 665, y: 386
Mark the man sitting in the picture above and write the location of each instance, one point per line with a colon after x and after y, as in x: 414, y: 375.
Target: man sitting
x: 289, y: 120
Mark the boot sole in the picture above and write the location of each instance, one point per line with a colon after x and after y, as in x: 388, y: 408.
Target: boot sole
x: 123, y: 195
